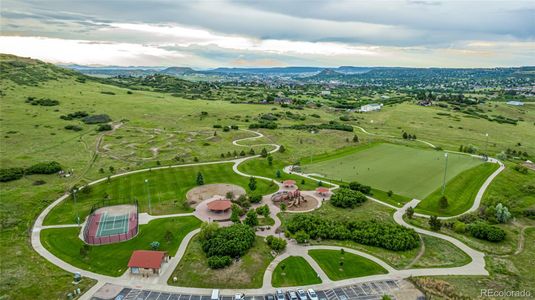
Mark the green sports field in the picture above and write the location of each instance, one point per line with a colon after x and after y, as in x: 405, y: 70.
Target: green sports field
x: 407, y: 171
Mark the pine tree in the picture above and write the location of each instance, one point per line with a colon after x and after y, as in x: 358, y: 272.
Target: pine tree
x: 270, y: 160
x: 252, y: 183
x: 200, y: 179
x: 282, y: 149
x: 405, y: 135
x: 409, y: 212
x: 355, y: 138
x: 435, y: 223
x: 264, y: 152
x: 443, y: 202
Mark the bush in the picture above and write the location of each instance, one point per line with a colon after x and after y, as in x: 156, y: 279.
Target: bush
x: 42, y: 101
x: 365, y: 189
x: 74, y: 115
x: 10, y: 174
x: 275, y: 243
x: 347, y: 198
x: 251, y: 219
x: 459, y: 227
x: 104, y: 127
x: 73, y: 127
x: 484, y: 231
x: 96, y: 119
x: 44, y: 168
x: 219, y: 262
x: 255, y: 198
x: 388, y: 236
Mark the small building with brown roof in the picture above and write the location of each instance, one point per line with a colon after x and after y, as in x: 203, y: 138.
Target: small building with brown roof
x: 288, y: 183
x: 147, y: 262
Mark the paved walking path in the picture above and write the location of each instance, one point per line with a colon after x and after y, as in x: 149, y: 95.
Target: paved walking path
x: 475, y: 267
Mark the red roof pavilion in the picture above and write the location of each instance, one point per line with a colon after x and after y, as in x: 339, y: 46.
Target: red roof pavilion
x: 322, y: 190
x: 219, y: 205
x: 147, y: 259
x: 288, y: 182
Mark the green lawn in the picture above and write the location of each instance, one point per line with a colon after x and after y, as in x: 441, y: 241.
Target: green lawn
x: 460, y: 191
x: 296, y: 272
x: 408, y: 171
x: 168, y: 188
x: 248, y: 272
x: 440, y: 253
x: 353, y: 265
x: 112, y: 259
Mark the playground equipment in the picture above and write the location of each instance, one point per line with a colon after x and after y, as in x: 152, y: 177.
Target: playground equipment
x: 290, y: 198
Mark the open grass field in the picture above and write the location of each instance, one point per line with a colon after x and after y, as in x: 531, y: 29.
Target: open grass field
x: 112, y: 259
x: 407, y: 171
x: 296, y: 272
x: 460, y: 192
x: 352, y: 265
x: 167, y: 188
x: 248, y: 272
x: 441, y: 253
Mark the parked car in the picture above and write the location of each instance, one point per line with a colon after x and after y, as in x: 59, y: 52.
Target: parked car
x: 301, y: 294
x: 271, y: 297
x: 312, y: 294
x: 239, y: 296
x: 280, y: 295
x: 215, y: 295
x: 292, y: 295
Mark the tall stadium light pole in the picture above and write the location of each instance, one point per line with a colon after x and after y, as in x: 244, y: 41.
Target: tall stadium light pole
x: 445, y: 171
x: 74, y: 190
x: 487, y: 144
x: 148, y: 194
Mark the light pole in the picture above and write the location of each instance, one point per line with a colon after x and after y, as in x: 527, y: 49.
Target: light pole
x: 74, y: 190
x: 445, y: 171
x: 487, y: 144
x: 148, y: 194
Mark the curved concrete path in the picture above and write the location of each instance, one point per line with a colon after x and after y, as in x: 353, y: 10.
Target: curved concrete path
x: 475, y: 267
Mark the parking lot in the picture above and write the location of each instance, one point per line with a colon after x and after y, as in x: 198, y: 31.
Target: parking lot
x: 361, y: 291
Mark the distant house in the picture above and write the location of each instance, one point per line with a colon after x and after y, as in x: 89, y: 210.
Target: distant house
x: 146, y: 263
x: 515, y: 103
x: 325, y: 93
x: 370, y: 107
x: 425, y: 103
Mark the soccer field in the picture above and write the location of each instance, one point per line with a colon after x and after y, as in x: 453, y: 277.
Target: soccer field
x: 405, y: 170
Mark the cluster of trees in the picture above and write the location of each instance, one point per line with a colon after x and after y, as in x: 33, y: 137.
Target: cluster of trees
x: 264, y: 124
x: 9, y: 174
x: 347, y: 198
x: 74, y: 115
x: 468, y: 149
x: 96, y: 119
x: 276, y: 243
x: 222, y: 244
x: 104, y: 127
x: 388, y: 236
x: 485, y: 231
x: 73, y: 127
x: 331, y: 125
x: 42, y: 101
x: 355, y: 186
x: 408, y: 136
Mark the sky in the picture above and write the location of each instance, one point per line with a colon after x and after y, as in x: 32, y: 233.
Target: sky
x: 230, y: 33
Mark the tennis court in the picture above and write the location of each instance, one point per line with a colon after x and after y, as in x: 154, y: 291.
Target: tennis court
x: 112, y: 225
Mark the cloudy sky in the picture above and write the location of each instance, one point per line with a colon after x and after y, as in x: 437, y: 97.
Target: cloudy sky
x: 205, y: 34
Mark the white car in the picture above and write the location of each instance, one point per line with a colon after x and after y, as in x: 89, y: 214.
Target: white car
x: 301, y: 294
x: 312, y: 294
x: 239, y: 296
x: 280, y: 295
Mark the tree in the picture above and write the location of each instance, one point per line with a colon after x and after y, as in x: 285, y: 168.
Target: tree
x: 435, y: 223
x: 409, y: 212
x: 301, y: 237
x: 282, y: 149
x: 252, y: 183
x: 264, y: 152
x: 251, y: 152
x: 112, y: 169
x: 303, y: 181
x: 235, y: 215
x: 389, y: 193
x: 405, y: 136
x: 242, y: 153
x: 283, y: 207
x: 443, y: 202
x: 229, y: 195
x: 278, y: 174
x: 355, y: 138
x: 347, y: 198
x: 365, y: 189
x: 502, y: 213
x: 270, y: 160
x: 208, y: 230
x: 251, y: 218
x: 263, y: 211
x: 275, y: 243
x: 200, y: 179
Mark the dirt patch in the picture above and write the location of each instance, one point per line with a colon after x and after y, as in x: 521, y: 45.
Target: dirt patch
x: 309, y: 203
x: 203, y: 192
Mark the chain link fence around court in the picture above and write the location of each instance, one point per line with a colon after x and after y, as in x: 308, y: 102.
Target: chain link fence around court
x: 95, y: 235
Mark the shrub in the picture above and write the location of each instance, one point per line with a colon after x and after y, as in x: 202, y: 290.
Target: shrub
x: 443, y: 202
x: 42, y: 101
x: 484, y: 231
x: 74, y: 115
x: 347, y: 198
x: 44, y: 168
x: 435, y: 223
x: 365, y: 189
x: 73, y: 127
x: 200, y: 179
x: 521, y: 169
x: 219, y: 262
x: 275, y: 243
x: 10, y: 174
x: 251, y: 219
x: 104, y: 127
x: 96, y: 119
x: 301, y: 237
x: 459, y: 227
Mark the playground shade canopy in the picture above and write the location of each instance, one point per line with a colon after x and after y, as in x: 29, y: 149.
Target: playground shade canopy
x: 288, y: 182
x: 219, y: 205
x: 322, y: 190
